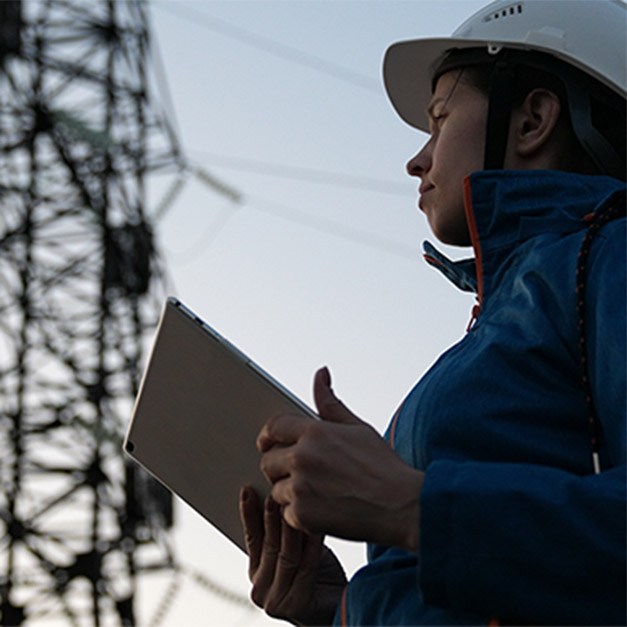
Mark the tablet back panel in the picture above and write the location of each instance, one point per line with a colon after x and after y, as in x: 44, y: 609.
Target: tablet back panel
x: 200, y: 407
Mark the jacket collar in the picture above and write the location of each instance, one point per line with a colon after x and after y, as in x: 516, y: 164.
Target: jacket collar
x: 504, y: 208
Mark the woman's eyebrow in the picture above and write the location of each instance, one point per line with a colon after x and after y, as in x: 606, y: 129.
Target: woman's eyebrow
x: 432, y: 105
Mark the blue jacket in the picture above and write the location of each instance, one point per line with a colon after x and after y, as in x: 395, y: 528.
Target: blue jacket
x: 515, y: 526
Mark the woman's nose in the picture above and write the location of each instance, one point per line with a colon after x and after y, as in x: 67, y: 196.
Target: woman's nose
x: 420, y: 163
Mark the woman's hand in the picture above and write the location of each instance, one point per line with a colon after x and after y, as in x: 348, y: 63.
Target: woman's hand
x: 294, y: 576
x: 338, y: 475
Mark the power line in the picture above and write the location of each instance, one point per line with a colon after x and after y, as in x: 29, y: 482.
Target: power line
x: 155, y: 57
x: 304, y: 174
x: 261, y: 42
x: 296, y: 216
x: 201, y: 579
x: 331, y: 227
x: 206, y: 238
x: 289, y: 171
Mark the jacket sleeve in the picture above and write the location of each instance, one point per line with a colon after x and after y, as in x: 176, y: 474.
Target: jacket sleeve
x: 535, y: 544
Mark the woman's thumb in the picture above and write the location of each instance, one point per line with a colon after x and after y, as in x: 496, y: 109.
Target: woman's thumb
x: 328, y: 405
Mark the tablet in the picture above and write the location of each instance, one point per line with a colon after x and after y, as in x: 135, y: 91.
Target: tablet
x: 200, y: 407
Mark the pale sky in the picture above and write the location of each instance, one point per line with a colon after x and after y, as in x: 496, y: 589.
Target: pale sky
x: 320, y: 263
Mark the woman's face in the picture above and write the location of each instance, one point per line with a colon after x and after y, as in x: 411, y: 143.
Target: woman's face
x: 457, y: 114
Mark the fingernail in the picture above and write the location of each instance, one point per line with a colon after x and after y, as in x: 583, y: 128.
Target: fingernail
x: 326, y: 375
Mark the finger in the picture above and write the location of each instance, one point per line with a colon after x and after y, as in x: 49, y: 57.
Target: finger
x: 283, y: 494
x: 310, y: 560
x: 296, y: 570
x: 304, y: 578
x: 328, y: 405
x: 288, y: 563
x: 252, y: 522
x: 264, y: 574
x: 275, y: 464
x: 284, y: 429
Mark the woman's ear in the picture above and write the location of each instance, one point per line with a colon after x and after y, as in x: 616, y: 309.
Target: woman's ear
x: 533, y: 123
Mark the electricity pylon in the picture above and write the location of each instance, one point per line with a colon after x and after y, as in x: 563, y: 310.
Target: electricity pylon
x: 80, y: 288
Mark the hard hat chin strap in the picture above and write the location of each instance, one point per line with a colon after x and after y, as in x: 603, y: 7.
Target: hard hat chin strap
x: 499, y: 114
x: 500, y: 95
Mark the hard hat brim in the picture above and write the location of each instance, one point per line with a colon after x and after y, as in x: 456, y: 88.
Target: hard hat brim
x: 408, y: 68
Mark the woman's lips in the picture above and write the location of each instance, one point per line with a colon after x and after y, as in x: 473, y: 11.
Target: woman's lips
x: 424, y: 189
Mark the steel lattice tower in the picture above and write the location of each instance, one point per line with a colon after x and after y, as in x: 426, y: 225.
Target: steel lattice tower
x: 80, y: 289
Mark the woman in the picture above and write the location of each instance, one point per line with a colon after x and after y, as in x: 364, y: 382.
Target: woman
x: 498, y: 493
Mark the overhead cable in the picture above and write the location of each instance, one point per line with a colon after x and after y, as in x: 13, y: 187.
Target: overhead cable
x: 176, y: 187
x: 304, y: 174
x: 331, y: 227
x: 261, y: 42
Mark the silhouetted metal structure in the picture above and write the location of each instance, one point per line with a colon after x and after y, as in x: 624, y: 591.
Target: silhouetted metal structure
x: 80, y: 287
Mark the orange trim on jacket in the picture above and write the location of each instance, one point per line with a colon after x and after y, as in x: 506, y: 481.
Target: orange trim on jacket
x: 432, y: 260
x: 343, y: 607
x: 474, y: 236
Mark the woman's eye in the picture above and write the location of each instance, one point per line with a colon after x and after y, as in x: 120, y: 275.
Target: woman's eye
x: 436, y: 120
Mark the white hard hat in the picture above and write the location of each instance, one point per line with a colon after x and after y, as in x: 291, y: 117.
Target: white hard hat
x: 587, y: 34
